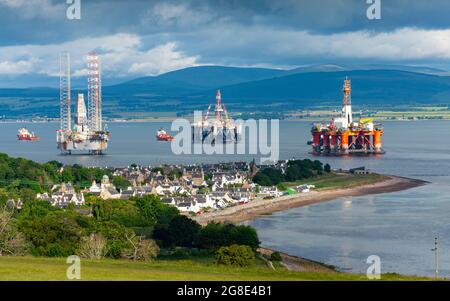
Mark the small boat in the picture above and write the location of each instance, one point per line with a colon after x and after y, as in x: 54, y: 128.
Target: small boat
x: 162, y: 135
x: 24, y: 135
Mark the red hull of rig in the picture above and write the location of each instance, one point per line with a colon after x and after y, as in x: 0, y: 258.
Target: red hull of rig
x: 345, y: 137
x: 326, y: 142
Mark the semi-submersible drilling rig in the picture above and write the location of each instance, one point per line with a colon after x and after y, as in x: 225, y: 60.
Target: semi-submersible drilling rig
x: 343, y: 136
x: 87, y: 132
x: 220, y: 129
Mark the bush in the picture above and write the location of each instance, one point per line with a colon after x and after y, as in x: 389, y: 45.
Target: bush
x: 12, y: 242
x: 93, y: 246
x: 183, y: 230
x: 262, y: 179
x: 282, y: 187
x: 237, y: 255
x: 162, y: 236
x: 216, y: 235
x: 275, y: 257
x: 54, y: 235
x: 141, y: 249
x: 243, y: 235
x: 115, y: 235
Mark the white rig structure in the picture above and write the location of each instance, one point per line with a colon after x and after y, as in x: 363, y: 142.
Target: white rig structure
x: 87, y: 133
x: 218, y: 129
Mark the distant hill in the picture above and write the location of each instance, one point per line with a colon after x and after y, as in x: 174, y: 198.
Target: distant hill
x: 336, y: 68
x: 317, y: 88
x: 185, y: 81
x: 248, y: 89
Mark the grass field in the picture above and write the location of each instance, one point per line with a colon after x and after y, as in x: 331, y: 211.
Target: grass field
x: 32, y: 268
x: 424, y: 114
x: 337, y: 180
x: 418, y: 112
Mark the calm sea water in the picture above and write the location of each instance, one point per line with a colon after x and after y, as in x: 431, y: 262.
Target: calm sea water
x: 399, y: 227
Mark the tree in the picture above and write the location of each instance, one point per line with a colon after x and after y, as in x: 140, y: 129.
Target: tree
x: 215, y: 235
x: 93, y: 246
x: 183, y: 230
x: 162, y: 235
x: 212, y: 236
x: 276, y: 257
x: 243, y: 235
x: 166, y: 213
x: 120, y: 182
x: 293, y: 173
x: 158, y: 169
x: 275, y: 175
x: 153, y: 210
x: 67, y: 175
x: 12, y: 242
x: 235, y: 255
x: 317, y: 166
x: 175, y: 174
x: 36, y: 209
x: 115, y: 235
x: 282, y: 187
x: 208, y: 176
x: 327, y: 168
x: 262, y: 179
x: 140, y: 248
x: 52, y: 235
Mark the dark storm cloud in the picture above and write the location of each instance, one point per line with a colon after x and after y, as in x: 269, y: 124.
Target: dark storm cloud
x: 149, y: 37
x: 44, y: 21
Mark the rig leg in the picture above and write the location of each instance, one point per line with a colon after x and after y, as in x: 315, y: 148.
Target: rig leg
x: 326, y: 143
x: 344, y: 143
x: 334, y: 144
x: 377, y: 142
x: 316, y: 142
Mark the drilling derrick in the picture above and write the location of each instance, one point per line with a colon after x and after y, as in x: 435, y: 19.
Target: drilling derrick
x: 64, y: 91
x: 80, y: 122
x: 94, y: 93
x: 343, y: 136
x: 218, y: 109
x: 347, y: 101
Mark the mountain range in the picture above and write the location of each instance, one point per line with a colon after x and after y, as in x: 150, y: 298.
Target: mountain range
x: 248, y: 89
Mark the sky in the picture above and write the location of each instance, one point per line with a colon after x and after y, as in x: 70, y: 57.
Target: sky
x: 140, y: 38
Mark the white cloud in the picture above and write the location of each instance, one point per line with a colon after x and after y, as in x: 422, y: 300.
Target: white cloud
x: 161, y: 59
x: 401, y: 44
x: 79, y: 72
x: 36, y: 8
x: 125, y: 54
x: 255, y: 45
x: 120, y: 54
x: 14, y: 68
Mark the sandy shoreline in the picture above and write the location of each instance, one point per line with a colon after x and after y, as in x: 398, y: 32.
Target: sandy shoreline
x: 260, y: 207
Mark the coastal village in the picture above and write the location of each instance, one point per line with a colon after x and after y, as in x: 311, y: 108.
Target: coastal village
x: 193, y: 189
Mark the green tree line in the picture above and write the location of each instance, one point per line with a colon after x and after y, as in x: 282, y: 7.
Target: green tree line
x: 136, y: 228
x: 295, y: 170
x: 24, y: 178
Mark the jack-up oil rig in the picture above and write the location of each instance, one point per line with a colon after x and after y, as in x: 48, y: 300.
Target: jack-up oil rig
x: 345, y: 137
x: 87, y: 133
x: 218, y: 129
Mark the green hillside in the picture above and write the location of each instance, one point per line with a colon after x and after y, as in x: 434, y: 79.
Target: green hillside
x: 30, y: 268
x: 248, y: 90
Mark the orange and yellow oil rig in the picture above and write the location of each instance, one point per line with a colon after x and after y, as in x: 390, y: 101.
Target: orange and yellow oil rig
x: 342, y: 136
